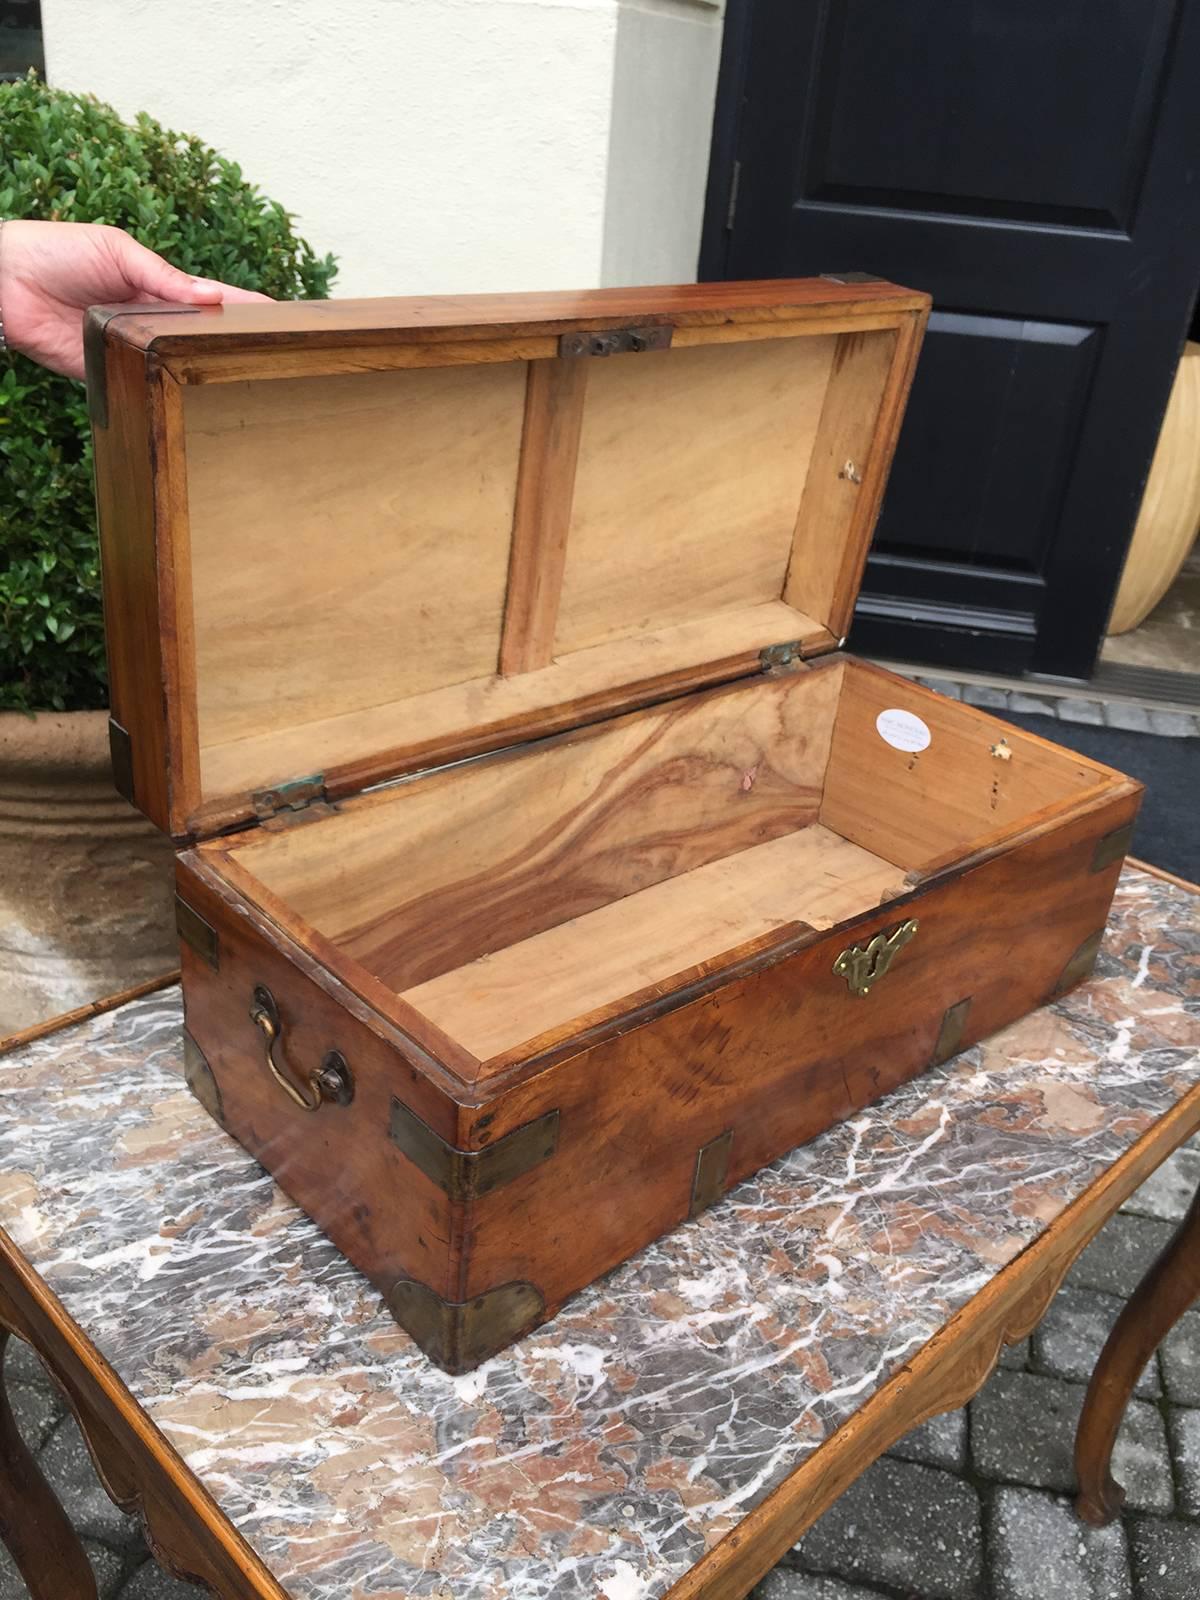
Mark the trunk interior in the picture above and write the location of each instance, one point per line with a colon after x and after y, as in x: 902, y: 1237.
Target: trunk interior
x: 520, y: 897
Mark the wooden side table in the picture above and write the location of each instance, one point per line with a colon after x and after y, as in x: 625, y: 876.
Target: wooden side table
x: 672, y: 1432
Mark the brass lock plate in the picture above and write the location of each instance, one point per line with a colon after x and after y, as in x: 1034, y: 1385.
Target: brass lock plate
x: 865, y: 965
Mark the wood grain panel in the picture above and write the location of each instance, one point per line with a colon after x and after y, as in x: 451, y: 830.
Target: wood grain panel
x: 554, y: 399
x: 418, y: 879
x: 135, y: 629
x: 256, y: 332
x: 176, y: 603
x: 358, y: 748
x: 778, y: 1052
x: 860, y: 421
x: 502, y: 1000
x: 977, y: 777
x: 691, y: 467
x: 350, y: 541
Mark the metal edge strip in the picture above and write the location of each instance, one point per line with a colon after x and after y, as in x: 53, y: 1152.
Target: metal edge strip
x: 467, y: 1174
x: 201, y: 936
x: 120, y: 750
x: 1112, y: 847
x: 458, y: 1335
x: 711, y: 1175
x: 950, y: 1034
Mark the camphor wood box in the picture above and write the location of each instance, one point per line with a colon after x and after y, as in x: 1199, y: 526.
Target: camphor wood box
x: 497, y: 1022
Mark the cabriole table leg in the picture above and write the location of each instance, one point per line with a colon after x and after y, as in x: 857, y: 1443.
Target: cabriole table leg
x: 33, y: 1526
x: 1158, y: 1302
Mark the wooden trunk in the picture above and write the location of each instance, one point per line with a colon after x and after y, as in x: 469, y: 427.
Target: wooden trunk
x: 705, y: 887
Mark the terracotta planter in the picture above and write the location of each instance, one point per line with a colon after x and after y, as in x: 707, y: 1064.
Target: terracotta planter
x: 85, y: 882
x: 1169, y: 519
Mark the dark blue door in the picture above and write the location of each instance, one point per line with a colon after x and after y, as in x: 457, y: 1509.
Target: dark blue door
x: 1035, y: 165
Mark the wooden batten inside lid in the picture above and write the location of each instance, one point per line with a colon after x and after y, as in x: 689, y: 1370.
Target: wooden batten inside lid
x: 346, y: 541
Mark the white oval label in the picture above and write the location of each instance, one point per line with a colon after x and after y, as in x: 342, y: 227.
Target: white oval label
x: 902, y: 730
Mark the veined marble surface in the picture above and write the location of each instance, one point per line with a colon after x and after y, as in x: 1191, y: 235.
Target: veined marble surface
x: 603, y: 1454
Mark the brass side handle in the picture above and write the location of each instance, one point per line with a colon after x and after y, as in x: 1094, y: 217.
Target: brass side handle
x: 330, y: 1084
x: 864, y: 965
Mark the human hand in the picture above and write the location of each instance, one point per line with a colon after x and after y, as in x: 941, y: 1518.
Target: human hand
x: 50, y: 272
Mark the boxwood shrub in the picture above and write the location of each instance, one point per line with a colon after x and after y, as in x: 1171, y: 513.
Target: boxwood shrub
x: 66, y: 157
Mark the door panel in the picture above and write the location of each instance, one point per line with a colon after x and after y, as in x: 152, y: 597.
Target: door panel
x: 1029, y: 384
x: 1030, y: 165
x: 1070, y: 148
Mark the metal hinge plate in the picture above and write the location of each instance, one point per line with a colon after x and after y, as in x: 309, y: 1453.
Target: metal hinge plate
x: 852, y: 277
x: 467, y: 1174
x: 777, y: 656
x: 616, y: 341
x: 282, y: 802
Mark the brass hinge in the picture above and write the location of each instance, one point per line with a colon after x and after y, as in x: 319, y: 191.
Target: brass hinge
x: 282, y: 802
x: 616, y: 341
x: 774, y: 657
x: 467, y: 1174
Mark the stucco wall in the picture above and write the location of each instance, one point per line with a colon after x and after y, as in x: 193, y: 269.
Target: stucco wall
x: 664, y: 90
x: 434, y: 145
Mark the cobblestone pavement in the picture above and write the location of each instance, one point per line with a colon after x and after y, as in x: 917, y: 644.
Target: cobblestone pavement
x: 971, y: 1506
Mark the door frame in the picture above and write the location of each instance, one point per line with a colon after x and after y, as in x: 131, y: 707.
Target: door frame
x: 727, y: 125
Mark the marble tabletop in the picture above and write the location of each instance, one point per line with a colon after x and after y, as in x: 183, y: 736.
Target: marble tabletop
x: 603, y: 1454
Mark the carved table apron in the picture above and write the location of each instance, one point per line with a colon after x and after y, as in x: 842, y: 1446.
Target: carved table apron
x: 672, y: 1431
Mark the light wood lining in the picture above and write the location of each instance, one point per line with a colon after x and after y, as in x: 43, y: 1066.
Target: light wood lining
x: 691, y: 468
x: 976, y: 777
x: 175, y: 577
x: 554, y: 399
x: 389, y: 569
x: 524, y: 990
x: 415, y: 880
x: 412, y: 883
x: 869, y: 379
x: 350, y: 541
x: 435, y: 726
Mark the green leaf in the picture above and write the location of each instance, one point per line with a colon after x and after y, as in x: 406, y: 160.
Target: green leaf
x: 69, y: 155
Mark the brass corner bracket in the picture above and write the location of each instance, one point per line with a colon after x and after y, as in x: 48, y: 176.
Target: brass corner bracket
x: 1080, y: 964
x: 1112, y: 847
x: 467, y: 1174
x: 458, y: 1335
x: 196, y: 932
x: 711, y: 1176
x: 950, y: 1034
x: 200, y: 1080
